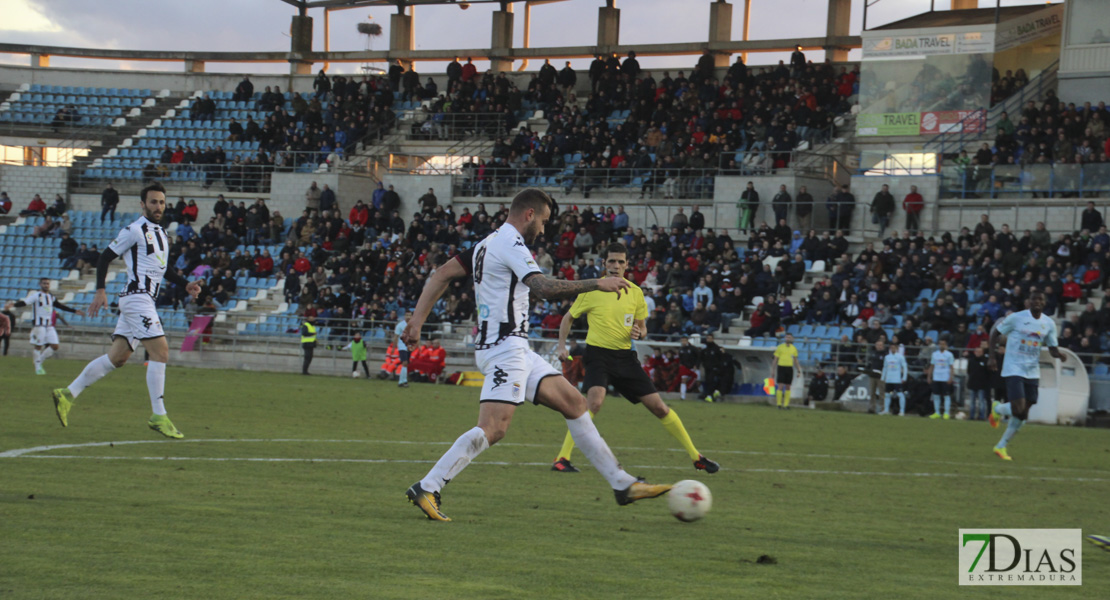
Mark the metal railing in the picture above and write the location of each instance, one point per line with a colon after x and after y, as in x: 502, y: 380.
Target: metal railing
x: 502, y: 180
x: 456, y: 126
x: 1014, y: 181
x: 982, y: 122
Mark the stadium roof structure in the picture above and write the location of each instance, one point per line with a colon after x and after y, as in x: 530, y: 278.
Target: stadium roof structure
x: 400, y: 4
x: 721, y: 42
x: 952, y: 18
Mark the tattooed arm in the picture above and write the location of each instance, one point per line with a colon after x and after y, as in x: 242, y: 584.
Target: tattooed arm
x: 550, y: 288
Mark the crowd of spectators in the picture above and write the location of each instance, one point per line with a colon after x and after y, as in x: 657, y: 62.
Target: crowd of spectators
x: 749, y: 120
x: 1053, y: 133
x: 303, y: 129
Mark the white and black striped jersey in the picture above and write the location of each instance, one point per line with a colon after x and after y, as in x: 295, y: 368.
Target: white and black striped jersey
x: 145, y: 249
x: 42, y: 308
x: 499, y: 264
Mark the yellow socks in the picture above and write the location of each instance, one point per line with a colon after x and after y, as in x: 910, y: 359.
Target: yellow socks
x: 673, y: 424
x: 786, y: 398
x: 778, y: 397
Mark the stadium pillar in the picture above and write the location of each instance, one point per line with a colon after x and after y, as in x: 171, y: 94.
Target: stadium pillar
x: 300, y: 34
x: 400, y: 35
x: 40, y: 60
x: 840, y: 12
x: 194, y: 66
x: 608, y: 26
x: 720, y: 29
x: 964, y: 4
x: 501, y: 40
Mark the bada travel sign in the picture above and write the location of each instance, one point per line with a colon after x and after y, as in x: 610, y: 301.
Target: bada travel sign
x: 888, y: 124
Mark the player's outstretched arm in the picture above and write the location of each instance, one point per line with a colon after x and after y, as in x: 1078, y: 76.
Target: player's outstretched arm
x: 433, y: 290
x: 549, y: 288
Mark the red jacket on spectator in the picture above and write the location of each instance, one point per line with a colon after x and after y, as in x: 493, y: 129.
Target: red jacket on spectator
x: 955, y: 273
x: 5, y: 206
x: 551, y: 324
x: 568, y: 236
x: 302, y: 266
x: 1091, y: 275
x: 913, y: 203
x: 692, y: 262
x: 465, y: 219
x: 1072, y: 290
x: 264, y: 265
x: 469, y: 71
x: 359, y: 215
x: 37, y: 205
x: 568, y: 272
x: 191, y: 212
x: 565, y: 251
x: 177, y: 157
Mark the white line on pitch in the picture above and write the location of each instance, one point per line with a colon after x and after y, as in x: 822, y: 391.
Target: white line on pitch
x: 544, y: 464
x: 25, y: 452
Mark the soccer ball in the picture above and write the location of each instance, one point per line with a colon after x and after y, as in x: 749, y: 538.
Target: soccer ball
x: 354, y: 374
x: 689, y: 500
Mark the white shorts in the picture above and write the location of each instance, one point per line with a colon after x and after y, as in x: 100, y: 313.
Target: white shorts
x: 513, y: 372
x: 138, y: 320
x: 44, y: 335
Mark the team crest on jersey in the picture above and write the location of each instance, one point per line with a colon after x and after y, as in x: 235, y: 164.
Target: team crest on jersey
x: 516, y: 390
x: 150, y: 238
x: 628, y: 320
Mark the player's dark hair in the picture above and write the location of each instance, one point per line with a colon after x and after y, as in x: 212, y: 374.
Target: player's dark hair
x: 532, y: 198
x: 615, y: 248
x: 154, y: 187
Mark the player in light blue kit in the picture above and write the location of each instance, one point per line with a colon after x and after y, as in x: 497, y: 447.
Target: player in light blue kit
x: 940, y: 379
x: 1027, y: 333
x: 894, y: 375
x: 402, y: 348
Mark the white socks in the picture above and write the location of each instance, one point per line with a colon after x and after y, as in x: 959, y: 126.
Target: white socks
x: 465, y: 449
x: 46, y: 353
x: 93, y: 372
x: 36, y: 357
x: 156, y: 385
x: 594, y: 447
x: 682, y: 391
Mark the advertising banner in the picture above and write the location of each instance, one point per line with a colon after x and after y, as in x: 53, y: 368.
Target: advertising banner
x: 952, y: 121
x: 888, y: 124
x: 1020, y: 31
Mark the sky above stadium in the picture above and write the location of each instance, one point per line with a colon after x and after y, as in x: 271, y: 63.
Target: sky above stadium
x: 220, y: 25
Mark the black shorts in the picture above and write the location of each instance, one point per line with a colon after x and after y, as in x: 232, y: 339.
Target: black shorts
x: 403, y: 355
x: 784, y: 376
x: 1020, y: 387
x: 893, y: 387
x: 941, y: 388
x: 619, y: 368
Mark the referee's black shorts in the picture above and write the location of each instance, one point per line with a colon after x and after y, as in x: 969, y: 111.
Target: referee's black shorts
x: 619, y: 368
x: 785, y: 375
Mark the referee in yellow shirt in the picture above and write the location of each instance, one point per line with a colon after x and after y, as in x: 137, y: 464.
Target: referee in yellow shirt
x: 614, y: 321
x: 786, y: 360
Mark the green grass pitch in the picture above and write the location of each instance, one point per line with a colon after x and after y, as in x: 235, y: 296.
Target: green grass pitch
x: 293, y: 487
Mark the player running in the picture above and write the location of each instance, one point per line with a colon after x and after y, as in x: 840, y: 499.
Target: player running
x: 893, y: 378
x: 614, y: 321
x: 1027, y: 332
x: 783, y: 366
x: 504, y: 273
x: 145, y: 250
x: 44, y: 338
x: 940, y: 374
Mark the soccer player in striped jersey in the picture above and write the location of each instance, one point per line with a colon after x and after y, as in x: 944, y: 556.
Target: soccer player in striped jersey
x: 1027, y: 333
x: 145, y: 250
x: 504, y: 273
x: 44, y: 338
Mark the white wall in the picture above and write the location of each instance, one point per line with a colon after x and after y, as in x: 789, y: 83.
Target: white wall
x: 22, y: 183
